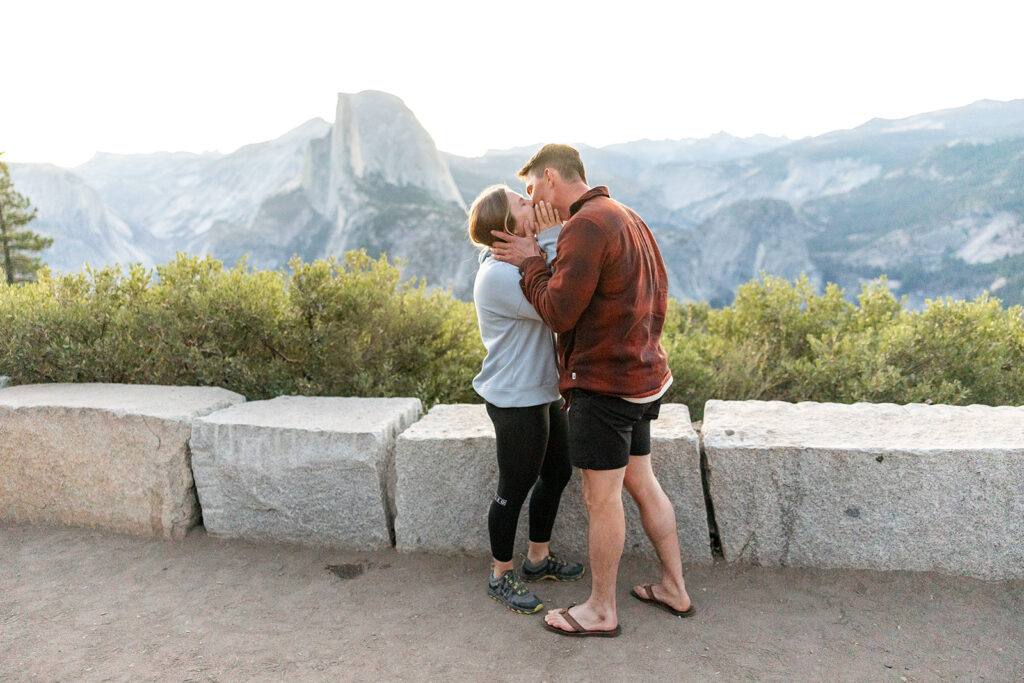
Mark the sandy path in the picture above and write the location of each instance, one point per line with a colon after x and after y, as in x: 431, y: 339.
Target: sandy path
x: 84, y: 605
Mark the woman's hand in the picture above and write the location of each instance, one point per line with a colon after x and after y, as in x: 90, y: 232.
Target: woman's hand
x: 545, y: 217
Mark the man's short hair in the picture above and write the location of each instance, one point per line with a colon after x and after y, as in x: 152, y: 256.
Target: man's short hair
x: 562, y: 158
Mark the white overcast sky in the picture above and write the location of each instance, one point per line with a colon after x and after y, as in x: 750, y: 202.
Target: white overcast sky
x: 150, y: 75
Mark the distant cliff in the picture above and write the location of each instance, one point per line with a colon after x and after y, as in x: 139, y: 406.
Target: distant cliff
x: 935, y: 201
x: 84, y: 227
x: 373, y: 180
x: 734, y: 246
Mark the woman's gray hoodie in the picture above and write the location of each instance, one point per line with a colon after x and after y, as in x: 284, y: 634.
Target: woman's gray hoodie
x: 520, y: 368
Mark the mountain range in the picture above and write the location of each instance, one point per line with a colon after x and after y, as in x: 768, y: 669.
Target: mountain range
x: 934, y: 201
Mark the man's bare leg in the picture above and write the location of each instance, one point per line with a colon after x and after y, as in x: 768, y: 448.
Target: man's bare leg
x: 659, y: 520
x: 602, y: 491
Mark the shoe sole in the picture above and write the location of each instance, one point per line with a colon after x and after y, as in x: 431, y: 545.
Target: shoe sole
x: 613, y: 633
x: 661, y: 605
x: 553, y: 577
x: 515, y: 609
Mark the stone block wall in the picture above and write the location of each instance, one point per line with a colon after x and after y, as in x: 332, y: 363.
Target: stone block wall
x: 102, y: 455
x: 301, y: 469
x: 447, y: 475
x: 876, y: 486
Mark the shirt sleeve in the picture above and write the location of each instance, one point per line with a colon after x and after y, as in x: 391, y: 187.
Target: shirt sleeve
x: 562, y: 292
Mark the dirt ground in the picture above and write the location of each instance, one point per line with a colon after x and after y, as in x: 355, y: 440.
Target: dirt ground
x: 86, y: 605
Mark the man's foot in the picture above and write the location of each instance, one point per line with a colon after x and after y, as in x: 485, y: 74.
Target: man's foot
x: 659, y: 596
x: 585, y: 619
x: 509, y: 591
x: 578, y: 630
x: 552, y: 568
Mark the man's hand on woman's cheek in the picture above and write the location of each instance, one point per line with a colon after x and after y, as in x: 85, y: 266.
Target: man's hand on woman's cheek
x: 514, y: 249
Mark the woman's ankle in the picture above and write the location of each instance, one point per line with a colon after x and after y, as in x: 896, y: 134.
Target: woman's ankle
x: 538, y: 552
x: 499, y: 568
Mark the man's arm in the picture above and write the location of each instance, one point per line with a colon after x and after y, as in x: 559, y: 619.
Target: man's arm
x: 560, y: 296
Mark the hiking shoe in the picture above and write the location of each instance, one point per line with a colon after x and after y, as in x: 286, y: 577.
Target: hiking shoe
x: 552, y: 568
x: 508, y: 590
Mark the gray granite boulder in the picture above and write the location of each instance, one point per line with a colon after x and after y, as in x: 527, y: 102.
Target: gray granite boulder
x: 448, y: 473
x: 875, y: 486
x: 111, y: 456
x: 309, y: 470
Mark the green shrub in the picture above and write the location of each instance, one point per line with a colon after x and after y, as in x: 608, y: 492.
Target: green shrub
x: 358, y: 331
x: 780, y: 341
x: 338, y: 328
x: 352, y: 327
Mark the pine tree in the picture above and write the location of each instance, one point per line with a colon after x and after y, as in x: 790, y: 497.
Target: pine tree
x: 16, y: 245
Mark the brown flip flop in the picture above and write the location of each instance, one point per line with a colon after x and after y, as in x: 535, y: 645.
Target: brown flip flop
x: 651, y: 600
x: 578, y: 630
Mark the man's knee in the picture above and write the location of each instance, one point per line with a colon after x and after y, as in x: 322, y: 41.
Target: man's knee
x: 602, y: 488
x: 599, y: 503
x: 633, y: 480
x: 639, y: 477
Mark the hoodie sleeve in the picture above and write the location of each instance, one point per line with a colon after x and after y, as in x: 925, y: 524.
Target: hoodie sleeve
x: 498, y: 291
x: 548, y: 241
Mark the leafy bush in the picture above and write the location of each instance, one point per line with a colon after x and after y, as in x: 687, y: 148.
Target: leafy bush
x: 338, y: 328
x: 352, y: 327
x: 779, y: 341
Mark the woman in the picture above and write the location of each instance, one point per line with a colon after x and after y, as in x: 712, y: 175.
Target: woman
x: 519, y: 382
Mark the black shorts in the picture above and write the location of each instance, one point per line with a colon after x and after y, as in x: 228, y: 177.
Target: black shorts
x: 605, y: 430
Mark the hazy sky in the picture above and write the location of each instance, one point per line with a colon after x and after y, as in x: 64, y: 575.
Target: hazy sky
x: 150, y: 75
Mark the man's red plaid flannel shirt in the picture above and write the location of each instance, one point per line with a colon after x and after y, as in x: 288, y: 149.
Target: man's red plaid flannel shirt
x: 605, y: 294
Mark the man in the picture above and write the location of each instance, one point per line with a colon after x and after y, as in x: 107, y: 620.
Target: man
x: 605, y: 295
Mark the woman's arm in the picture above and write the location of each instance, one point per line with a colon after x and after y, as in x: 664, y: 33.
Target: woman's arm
x: 498, y: 292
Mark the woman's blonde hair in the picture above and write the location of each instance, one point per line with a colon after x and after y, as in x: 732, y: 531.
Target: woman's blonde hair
x: 490, y: 211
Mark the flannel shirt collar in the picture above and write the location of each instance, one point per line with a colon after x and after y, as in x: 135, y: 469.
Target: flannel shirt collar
x: 599, y: 191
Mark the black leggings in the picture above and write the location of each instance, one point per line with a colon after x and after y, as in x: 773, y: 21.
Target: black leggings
x: 531, y: 443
